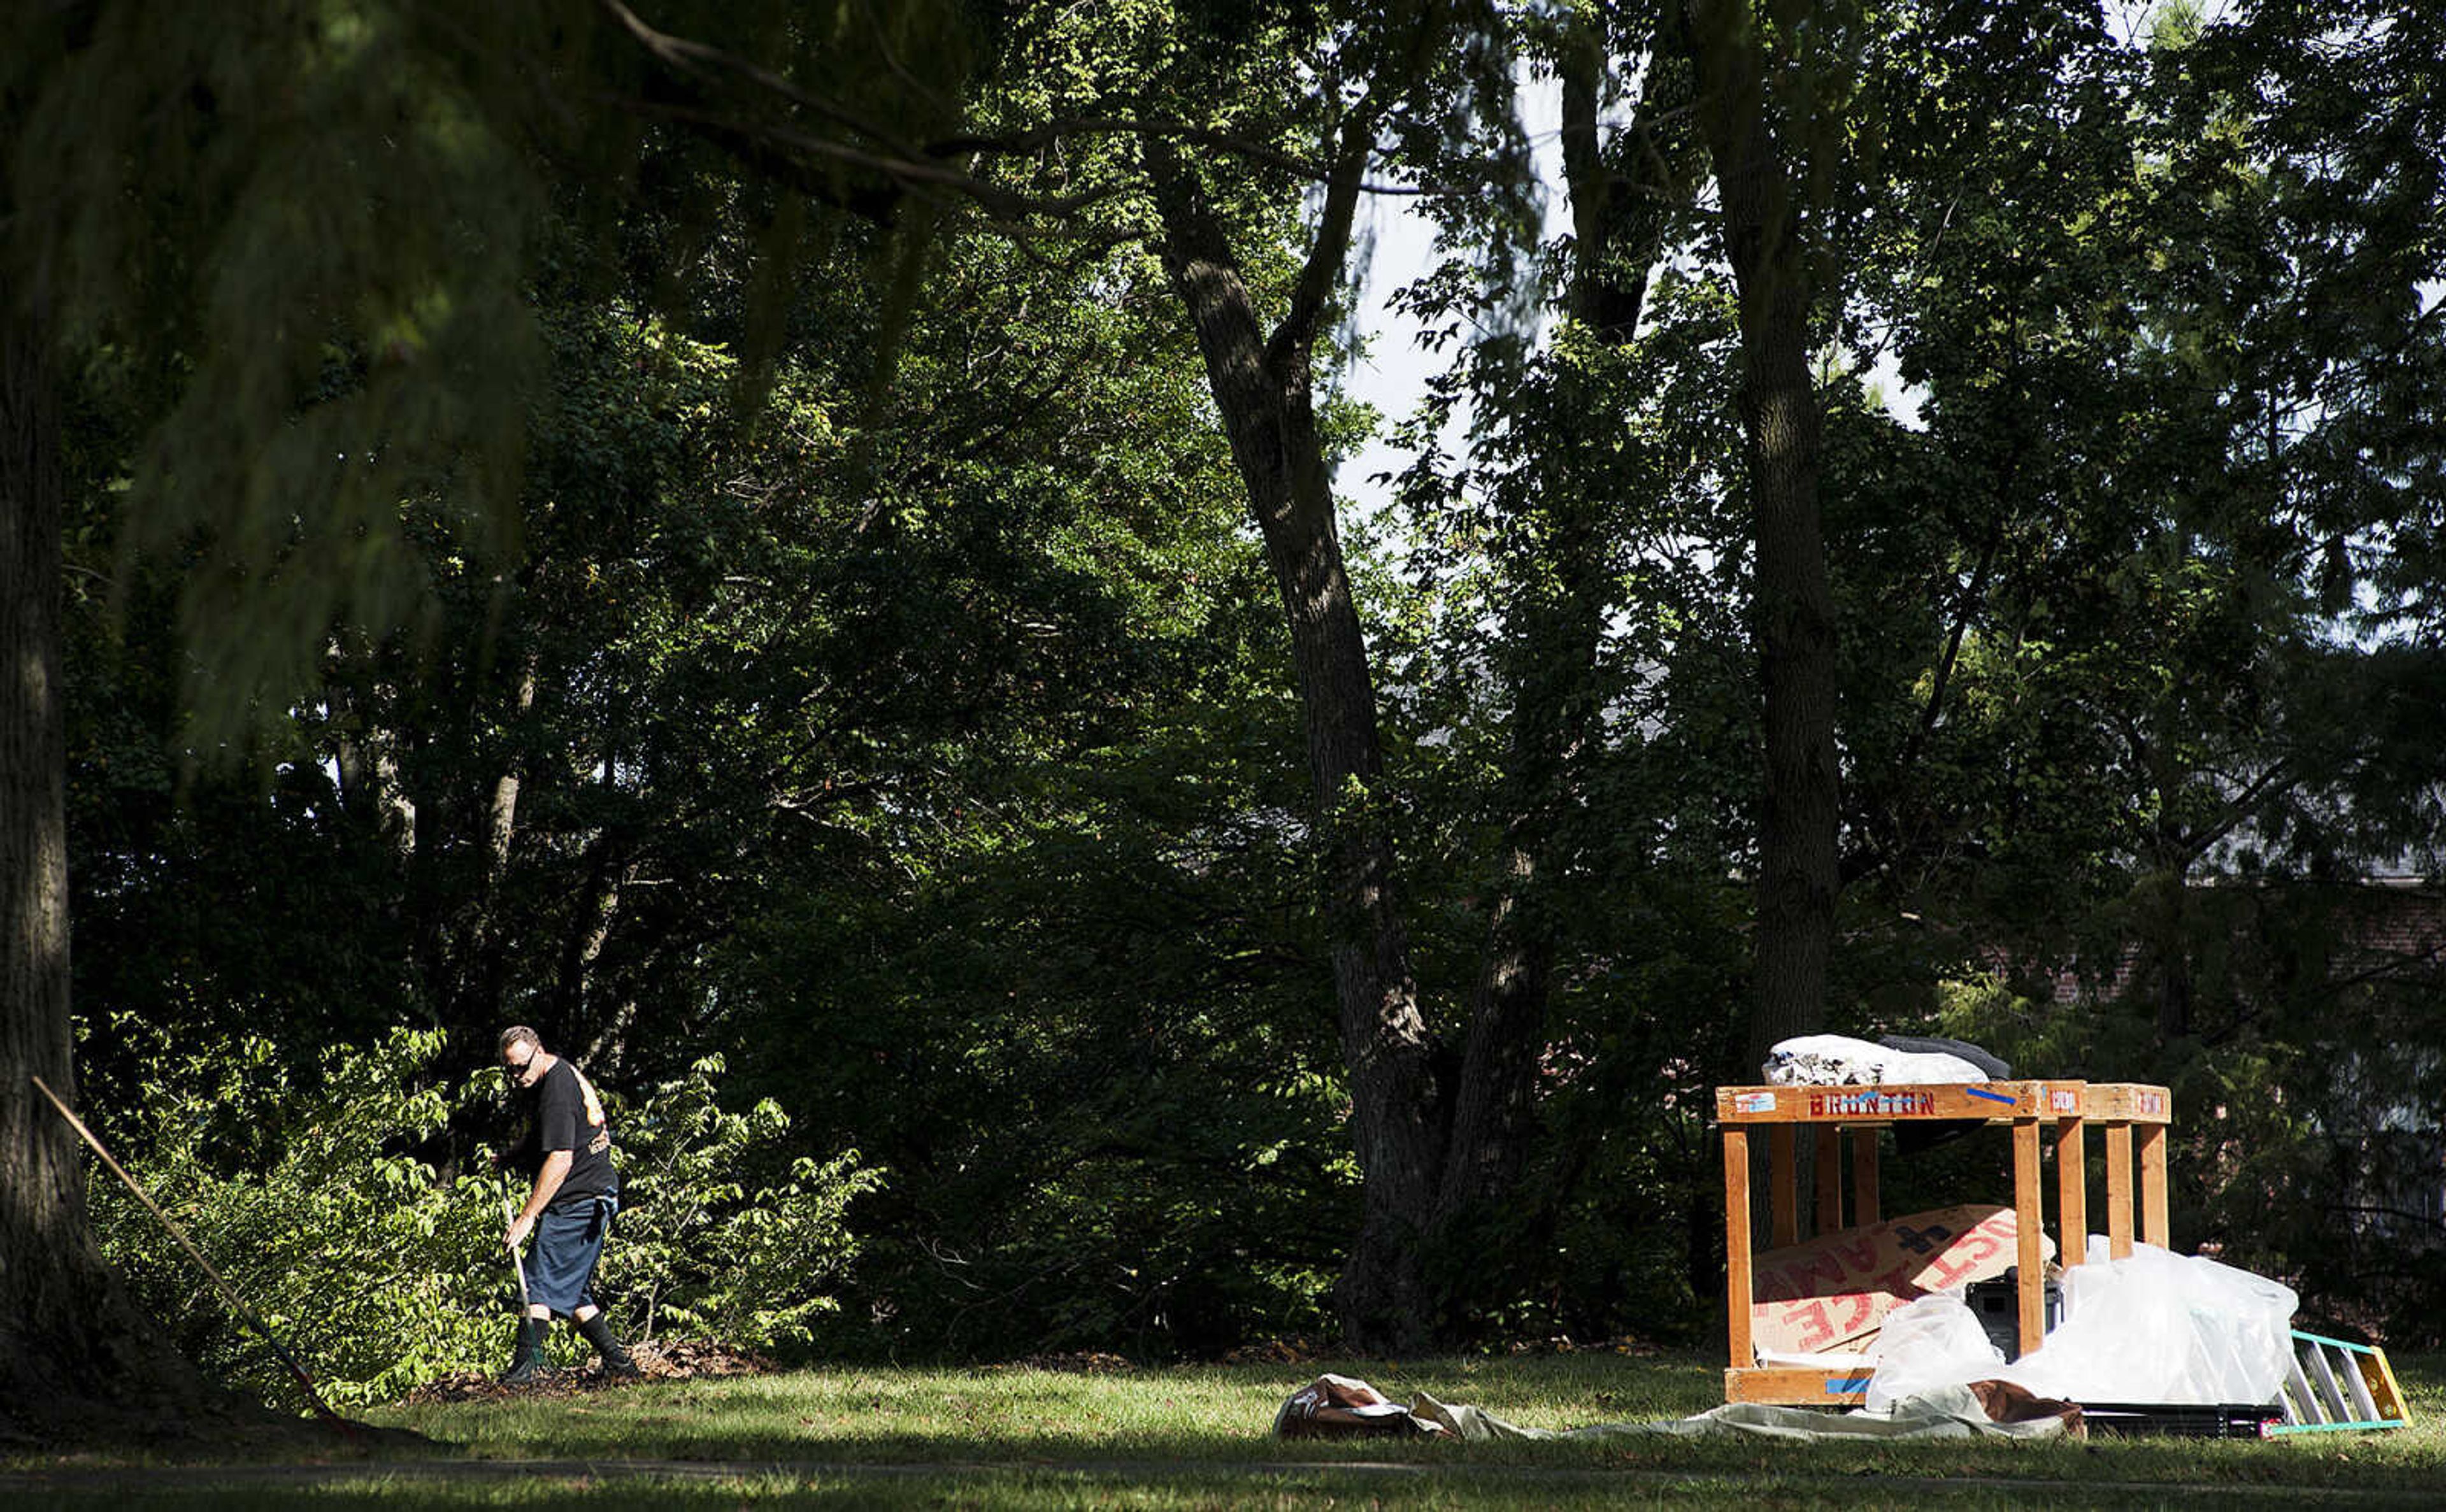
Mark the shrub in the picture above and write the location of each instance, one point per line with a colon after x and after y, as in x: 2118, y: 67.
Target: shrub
x: 381, y: 1274
x: 699, y: 1250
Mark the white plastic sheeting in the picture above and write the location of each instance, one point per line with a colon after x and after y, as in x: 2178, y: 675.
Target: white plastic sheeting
x: 1944, y: 1412
x: 1928, y: 1343
x: 1839, y: 1060
x: 2154, y: 1327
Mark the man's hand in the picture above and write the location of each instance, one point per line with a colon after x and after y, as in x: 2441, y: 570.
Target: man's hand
x: 555, y: 1171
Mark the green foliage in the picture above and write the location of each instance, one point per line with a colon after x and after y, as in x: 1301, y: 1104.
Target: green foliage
x: 380, y: 1272
x: 334, y: 280
x: 704, y: 1250
x: 886, y: 692
x: 362, y: 1262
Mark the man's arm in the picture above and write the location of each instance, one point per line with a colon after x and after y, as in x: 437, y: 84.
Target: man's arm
x: 547, y: 1183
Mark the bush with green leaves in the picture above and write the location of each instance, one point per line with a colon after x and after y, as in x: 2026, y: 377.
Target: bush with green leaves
x: 701, y: 1250
x: 381, y: 1272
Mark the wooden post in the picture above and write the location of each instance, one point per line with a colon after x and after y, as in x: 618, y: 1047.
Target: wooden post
x: 1783, y: 1199
x: 2152, y: 1186
x: 2071, y: 1192
x: 2030, y: 1222
x: 1736, y: 1247
x: 2118, y: 1189
x: 1829, y: 1216
x: 1864, y: 1175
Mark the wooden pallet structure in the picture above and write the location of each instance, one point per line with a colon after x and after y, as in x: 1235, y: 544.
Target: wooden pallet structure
x: 2042, y: 1117
x: 2334, y: 1386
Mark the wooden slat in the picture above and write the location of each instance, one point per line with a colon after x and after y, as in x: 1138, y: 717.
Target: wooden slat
x: 2031, y: 1221
x: 1765, y: 1383
x: 1860, y: 1112
x: 1783, y: 1197
x: 2118, y: 1189
x: 1865, y: 1207
x: 2128, y: 1103
x: 2152, y: 1186
x: 2072, y: 1191
x: 1828, y: 1216
x: 1736, y: 1246
x: 1995, y: 1101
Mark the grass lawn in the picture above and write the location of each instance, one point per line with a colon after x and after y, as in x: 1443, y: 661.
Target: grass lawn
x: 1197, y: 1437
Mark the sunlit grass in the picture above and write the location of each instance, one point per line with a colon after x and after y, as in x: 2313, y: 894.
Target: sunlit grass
x: 1188, y: 1414
x: 1197, y: 1437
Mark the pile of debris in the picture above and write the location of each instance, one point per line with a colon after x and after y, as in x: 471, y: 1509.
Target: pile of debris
x: 679, y: 1360
x: 1075, y: 1362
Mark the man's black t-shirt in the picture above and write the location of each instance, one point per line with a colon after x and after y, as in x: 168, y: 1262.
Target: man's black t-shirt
x: 569, y: 1116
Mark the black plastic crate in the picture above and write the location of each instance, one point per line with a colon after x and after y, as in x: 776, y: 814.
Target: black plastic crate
x: 1997, y: 1304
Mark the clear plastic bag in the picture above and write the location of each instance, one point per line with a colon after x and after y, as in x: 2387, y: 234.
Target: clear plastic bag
x: 1929, y: 1343
x: 2162, y: 1327
x: 2152, y: 1327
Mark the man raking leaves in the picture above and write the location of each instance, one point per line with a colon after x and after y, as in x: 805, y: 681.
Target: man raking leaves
x: 568, y: 1152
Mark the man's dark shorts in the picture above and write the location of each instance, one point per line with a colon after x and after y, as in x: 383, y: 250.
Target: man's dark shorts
x: 567, y: 1241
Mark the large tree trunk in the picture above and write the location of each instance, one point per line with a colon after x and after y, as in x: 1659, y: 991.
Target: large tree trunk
x: 70, y: 1349
x: 1261, y: 387
x: 1765, y: 241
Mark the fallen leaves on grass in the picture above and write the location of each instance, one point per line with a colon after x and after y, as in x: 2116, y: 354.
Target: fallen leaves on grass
x: 1277, y: 1352
x: 1081, y: 1362
x: 1563, y: 1345
x: 683, y: 1359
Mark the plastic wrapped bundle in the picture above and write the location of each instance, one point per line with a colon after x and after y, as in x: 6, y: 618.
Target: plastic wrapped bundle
x: 2160, y: 1327
x: 2152, y: 1327
x: 1839, y: 1060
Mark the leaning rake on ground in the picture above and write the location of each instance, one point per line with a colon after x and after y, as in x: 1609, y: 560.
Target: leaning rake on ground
x: 229, y: 1292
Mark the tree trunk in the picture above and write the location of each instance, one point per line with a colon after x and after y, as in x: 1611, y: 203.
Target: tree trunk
x: 1261, y: 388
x: 487, y: 949
x: 71, y: 1347
x: 1765, y: 241
x: 501, y: 817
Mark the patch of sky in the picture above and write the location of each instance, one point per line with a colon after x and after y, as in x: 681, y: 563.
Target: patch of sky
x: 1395, y: 247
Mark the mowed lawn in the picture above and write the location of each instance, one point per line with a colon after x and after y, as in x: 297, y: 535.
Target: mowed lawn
x: 1197, y: 1437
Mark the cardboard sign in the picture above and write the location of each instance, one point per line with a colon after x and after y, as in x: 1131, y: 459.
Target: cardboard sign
x: 1835, y: 1290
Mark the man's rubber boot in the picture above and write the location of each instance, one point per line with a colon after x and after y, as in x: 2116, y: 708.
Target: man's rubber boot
x: 616, y: 1363
x: 529, y: 1356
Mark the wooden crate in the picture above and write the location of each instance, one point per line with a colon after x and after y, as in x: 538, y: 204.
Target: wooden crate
x: 2039, y: 1114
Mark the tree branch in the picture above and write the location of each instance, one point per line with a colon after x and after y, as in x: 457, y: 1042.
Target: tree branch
x: 1036, y: 138
x: 754, y: 143
x: 1296, y: 335
x: 700, y: 59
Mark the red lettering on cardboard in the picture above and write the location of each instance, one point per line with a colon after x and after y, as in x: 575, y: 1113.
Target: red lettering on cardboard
x: 1943, y: 1271
x: 1818, y: 1331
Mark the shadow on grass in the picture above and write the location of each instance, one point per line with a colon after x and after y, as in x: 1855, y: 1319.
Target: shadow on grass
x: 1199, y: 1438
